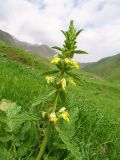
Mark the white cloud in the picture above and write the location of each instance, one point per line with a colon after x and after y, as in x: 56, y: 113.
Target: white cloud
x: 38, y: 21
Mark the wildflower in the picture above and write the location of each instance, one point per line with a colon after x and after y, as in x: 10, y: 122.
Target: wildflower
x: 63, y: 83
x: 53, y: 117
x: 55, y: 60
x: 70, y: 80
x: 62, y: 109
x: 74, y: 63
x: 49, y: 79
x: 67, y: 60
x: 44, y: 114
x: 64, y: 114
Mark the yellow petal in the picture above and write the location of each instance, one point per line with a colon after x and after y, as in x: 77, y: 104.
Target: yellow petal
x: 65, y: 116
x: 72, y: 81
x: 49, y: 79
x: 62, y: 109
x: 53, y: 117
x: 55, y: 60
x: 67, y: 60
x: 75, y: 64
x: 63, y: 83
x: 44, y: 114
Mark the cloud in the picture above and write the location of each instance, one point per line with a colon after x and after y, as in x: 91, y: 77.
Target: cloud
x: 39, y: 22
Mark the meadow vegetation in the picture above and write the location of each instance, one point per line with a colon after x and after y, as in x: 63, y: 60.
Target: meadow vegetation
x: 93, y: 130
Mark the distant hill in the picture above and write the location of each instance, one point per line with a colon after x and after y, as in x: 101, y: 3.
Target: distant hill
x: 108, y: 68
x: 82, y: 65
x: 43, y: 51
x: 21, y: 56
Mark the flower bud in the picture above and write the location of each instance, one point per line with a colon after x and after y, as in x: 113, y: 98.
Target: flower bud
x: 53, y: 117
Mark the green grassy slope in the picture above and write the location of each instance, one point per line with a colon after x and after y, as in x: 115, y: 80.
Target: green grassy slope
x: 108, y: 68
x: 43, y: 51
x: 21, y: 56
x: 94, y: 105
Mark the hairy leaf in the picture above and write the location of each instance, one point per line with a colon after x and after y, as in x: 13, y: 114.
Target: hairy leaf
x: 43, y: 99
x: 57, y: 48
x: 70, y: 146
x: 79, y: 31
x: 80, y: 52
x: 5, y: 138
x: 50, y: 72
x: 25, y: 117
x: 75, y: 76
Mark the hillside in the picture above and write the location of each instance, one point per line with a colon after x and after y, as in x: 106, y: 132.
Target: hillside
x: 12, y: 55
x: 107, y: 68
x: 93, y: 106
x: 43, y: 51
x: 22, y: 56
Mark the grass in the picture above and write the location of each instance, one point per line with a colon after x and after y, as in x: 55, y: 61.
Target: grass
x: 94, y: 107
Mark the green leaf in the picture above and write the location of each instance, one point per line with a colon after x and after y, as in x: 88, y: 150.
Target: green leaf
x: 64, y: 33
x: 79, y: 31
x: 50, y: 72
x: 5, y: 138
x: 57, y: 48
x: 80, y: 52
x: 70, y: 146
x: 75, y: 76
x: 25, y: 117
x: 10, y: 111
x: 43, y: 99
x: 6, y: 154
x: 3, y: 119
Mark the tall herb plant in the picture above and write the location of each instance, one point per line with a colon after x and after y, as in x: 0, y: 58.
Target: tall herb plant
x: 59, y: 80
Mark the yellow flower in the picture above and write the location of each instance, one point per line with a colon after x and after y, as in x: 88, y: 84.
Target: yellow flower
x: 72, y: 62
x: 75, y: 64
x: 67, y: 60
x: 49, y: 79
x: 62, y: 109
x: 65, y: 116
x: 55, y: 60
x: 44, y: 114
x: 63, y: 83
x: 53, y: 117
x: 70, y: 80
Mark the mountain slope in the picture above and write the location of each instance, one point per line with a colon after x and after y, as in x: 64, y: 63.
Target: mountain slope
x: 93, y: 106
x: 15, y: 54
x: 42, y: 51
x: 108, y: 68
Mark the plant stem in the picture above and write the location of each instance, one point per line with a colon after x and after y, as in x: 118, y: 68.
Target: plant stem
x: 55, y: 102
x: 47, y: 132
x: 44, y: 143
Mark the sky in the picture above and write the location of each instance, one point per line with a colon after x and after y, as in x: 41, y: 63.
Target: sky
x: 40, y: 22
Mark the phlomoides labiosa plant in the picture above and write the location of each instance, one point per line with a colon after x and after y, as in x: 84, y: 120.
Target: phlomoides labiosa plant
x: 65, y: 64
